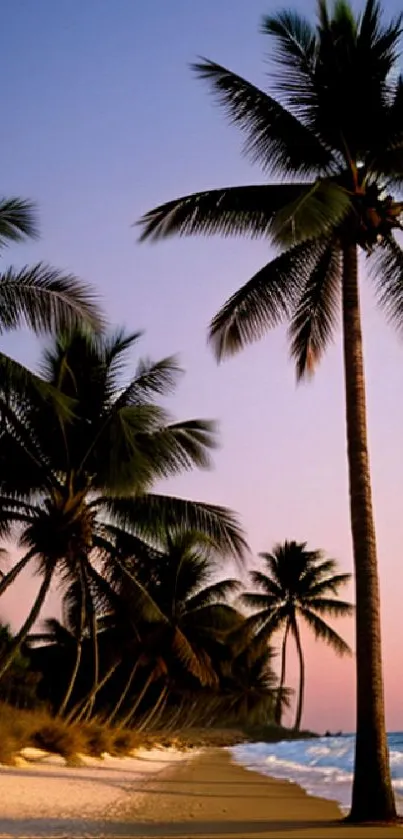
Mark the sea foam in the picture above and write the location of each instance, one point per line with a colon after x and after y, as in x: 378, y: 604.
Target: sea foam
x: 322, y: 766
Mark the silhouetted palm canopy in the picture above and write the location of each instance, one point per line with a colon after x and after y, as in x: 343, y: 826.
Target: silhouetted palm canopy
x: 178, y: 578
x: 74, y: 488
x: 296, y: 583
x: 331, y: 130
x: 40, y: 297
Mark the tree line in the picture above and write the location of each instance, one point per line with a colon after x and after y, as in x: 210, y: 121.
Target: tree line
x: 145, y: 613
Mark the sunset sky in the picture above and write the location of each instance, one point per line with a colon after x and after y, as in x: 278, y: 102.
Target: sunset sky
x: 101, y: 120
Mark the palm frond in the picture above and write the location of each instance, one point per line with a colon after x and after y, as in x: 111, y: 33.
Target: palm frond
x: 125, y: 448
x: 328, y: 583
x: 132, y: 457
x: 17, y: 220
x: 221, y: 617
x: 144, y: 607
x: 230, y: 211
x: 150, y: 516
x: 274, y: 137
x: 295, y: 53
x: 46, y: 300
x: 323, y: 631
x: 315, y: 318
x: 151, y: 378
x: 255, y: 600
x: 114, y: 353
x: 18, y: 381
x: 396, y: 116
x: 318, y: 210
x: 386, y: 265
x: 215, y: 593
x: 388, y: 161
x: 379, y: 42
x: 181, y: 446
x: 264, y: 301
x: 327, y: 606
x: 269, y: 584
x: 196, y: 661
x: 267, y: 619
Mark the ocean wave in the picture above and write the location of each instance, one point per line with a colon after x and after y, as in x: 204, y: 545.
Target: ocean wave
x: 323, y: 767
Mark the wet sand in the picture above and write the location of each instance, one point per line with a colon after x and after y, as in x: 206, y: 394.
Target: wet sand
x: 213, y: 797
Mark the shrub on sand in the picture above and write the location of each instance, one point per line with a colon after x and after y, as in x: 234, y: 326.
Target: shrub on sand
x: 57, y: 737
x: 125, y: 740
x: 98, y: 738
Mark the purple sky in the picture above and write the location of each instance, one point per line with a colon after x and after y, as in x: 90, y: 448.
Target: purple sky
x: 101, y: 120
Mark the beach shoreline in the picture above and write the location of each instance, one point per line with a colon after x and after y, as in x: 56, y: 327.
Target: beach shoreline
x: 164, y: 793
x: 213, y: 796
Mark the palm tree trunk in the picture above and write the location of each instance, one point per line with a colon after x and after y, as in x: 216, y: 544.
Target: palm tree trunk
x: 95, y: 650
x: 9, y: 578
x: 124, y: 693
x: 74, y: 673
x: 81, y: 709
x: 174, y: 718
x: 151, y: 715
x: 79, y: 647
x: 27, y: 626
x: 128, y: 718
x: 301, y: 688
x: 278, y: 711
x: 372, y: 789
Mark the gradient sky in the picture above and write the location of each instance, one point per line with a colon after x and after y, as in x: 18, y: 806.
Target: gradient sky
x: 101, y: 120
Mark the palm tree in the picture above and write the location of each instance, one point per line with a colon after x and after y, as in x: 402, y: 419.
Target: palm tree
x: 40, y: 297
x: 179, y: 579
x: 331, y: 129
x: 73, y: 488
x: 296, y: 585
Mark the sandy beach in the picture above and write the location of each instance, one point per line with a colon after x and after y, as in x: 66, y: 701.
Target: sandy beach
x: 42, y: 797
x: 163, y: 793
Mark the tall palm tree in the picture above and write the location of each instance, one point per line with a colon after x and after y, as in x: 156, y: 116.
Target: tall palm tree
x: 295, y: 586
x: 331, y: 130
x: 41, y: 297
x: 72, y: 488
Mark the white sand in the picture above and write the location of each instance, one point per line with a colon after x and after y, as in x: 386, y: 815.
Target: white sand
x: 44, y: 797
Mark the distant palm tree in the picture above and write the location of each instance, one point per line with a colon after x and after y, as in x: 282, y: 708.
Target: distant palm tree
x: 332, y: 135
x: 74, y: 487
x: 296, y: 586
x: 41, y: 297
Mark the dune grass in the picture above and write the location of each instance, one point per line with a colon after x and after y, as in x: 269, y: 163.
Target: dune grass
x: 38, y: 728
x: 20, y: 729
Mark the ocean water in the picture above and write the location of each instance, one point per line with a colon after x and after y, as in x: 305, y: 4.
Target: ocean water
x: 322, y: 766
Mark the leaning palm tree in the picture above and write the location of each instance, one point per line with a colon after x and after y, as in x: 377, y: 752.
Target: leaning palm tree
x: 70, y: 489
x: 41, y: 297
x: 331, y: 130
x: 180, y: 580
x: 69, y: 635
x: 294, y: 587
